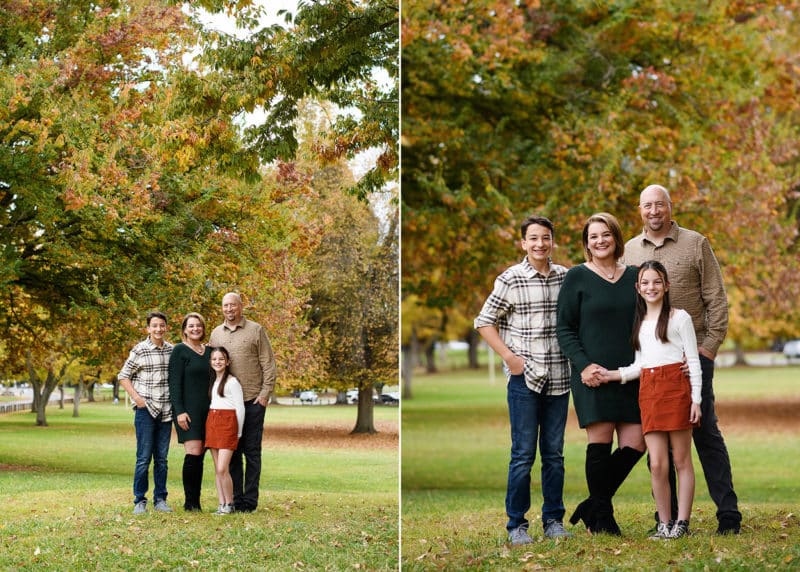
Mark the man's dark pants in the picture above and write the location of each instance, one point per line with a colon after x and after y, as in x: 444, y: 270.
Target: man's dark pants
x: 245, y: 490
x: 713, y: 453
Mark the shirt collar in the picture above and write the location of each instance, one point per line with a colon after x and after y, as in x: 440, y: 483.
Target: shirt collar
x: 150, y: 345
x: 528, y: 267
x: 673, y: 233
x: 239, y: 324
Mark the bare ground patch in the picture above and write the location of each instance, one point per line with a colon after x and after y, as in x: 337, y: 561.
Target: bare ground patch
x: 332, y: 435
x: 747, y: 416
x: 764, y: 415
x: 19, y: 468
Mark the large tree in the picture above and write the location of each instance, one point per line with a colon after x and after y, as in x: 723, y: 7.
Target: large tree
x: 123, y: 189
x: 355, y: 281
x: 345, y: 52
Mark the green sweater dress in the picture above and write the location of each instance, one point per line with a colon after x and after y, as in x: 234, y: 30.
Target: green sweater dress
x: 595, y: 318
x: 188, y: 389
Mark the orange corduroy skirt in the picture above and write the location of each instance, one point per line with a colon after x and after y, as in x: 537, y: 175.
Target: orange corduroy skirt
x: 222, y: 429
x: 665, y: 398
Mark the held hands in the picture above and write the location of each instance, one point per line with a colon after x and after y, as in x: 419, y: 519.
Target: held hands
x: 184, y: 421
x: 694, y: 414
x: 594, y: 375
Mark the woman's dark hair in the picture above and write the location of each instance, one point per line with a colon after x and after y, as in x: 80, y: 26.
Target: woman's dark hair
x: 213, y: 374
x: 641, y: 306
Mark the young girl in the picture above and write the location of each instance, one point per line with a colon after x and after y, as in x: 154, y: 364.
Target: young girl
x: 670, y: 406
x: 224, y: 424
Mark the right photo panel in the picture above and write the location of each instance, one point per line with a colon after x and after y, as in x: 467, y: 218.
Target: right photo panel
x: 600, y: 207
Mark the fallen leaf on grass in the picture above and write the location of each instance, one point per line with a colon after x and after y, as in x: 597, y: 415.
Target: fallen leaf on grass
x: 788, y: 559
x: 527, y: 556
x: 37, y: 552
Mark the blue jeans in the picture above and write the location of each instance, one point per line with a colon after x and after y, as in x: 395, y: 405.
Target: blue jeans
x: 535, y: 417
x: 152, y: 441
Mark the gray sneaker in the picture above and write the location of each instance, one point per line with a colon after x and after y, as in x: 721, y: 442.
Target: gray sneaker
x: 162, y: 506
x: 555, y: 529
x: 140, y: 507
x: 519, y: 535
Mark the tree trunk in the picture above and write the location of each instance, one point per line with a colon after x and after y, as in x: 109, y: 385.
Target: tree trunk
x: 365, y: 422
x: 430, y: 357
x: 410, y: 356
x: 76, y: 403
x: 473, y: 339
x: 61, y: 397
x: 90, y: 392
x: 739, y: 352
x: 43, y: 390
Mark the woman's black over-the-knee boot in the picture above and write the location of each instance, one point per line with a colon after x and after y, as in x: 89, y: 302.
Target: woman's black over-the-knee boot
x: 192, y: 480
x: 598, y: 456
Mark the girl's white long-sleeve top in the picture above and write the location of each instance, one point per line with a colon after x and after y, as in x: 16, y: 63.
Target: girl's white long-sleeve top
x: 233, y: 399
x: 654, y: 353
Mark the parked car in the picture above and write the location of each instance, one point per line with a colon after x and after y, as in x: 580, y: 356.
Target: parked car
x: 351, y: 396
x: 308, y: 397
x: 791, y: 349
x: 390, y: 398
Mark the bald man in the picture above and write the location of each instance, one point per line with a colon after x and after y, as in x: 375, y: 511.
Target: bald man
x: 253, y: 364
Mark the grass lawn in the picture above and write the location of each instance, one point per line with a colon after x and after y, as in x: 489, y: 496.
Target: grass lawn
x: 455, y: 456
x: 329, y: 500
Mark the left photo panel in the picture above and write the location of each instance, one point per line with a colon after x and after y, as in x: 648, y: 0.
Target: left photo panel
x: 199, y: 327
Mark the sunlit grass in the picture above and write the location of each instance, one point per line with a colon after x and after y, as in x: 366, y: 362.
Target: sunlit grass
x: 67, y: 501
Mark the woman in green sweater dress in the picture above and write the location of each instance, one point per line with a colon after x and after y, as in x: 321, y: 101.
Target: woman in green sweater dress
x: 596, y: 307
x: 189, y: 376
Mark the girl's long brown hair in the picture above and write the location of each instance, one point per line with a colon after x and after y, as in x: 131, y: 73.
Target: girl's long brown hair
x: 213, y: 374
x: 641, y: 306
